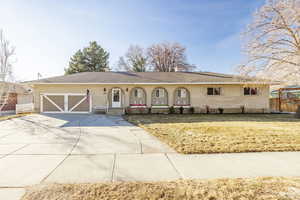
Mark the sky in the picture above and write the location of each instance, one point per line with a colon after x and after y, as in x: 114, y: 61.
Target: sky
x: 46, y: 33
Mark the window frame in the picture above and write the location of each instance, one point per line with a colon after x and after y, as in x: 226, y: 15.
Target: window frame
x: 250, y: 92
x: 214, y: 91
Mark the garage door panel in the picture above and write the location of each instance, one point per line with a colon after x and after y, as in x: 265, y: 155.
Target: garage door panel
x: 78, y: 103
x: 48, y: 106
x: 82, y: 107
x: 66, y: 103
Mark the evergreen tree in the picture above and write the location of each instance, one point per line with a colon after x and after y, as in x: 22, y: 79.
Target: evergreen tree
x: 91, y: 59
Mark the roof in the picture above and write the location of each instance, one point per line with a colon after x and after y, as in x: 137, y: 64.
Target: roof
x: 143, y: 78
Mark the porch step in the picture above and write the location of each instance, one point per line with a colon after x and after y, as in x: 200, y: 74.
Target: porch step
x: 115, y: 111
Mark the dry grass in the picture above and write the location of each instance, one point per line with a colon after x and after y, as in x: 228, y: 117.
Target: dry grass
x: 219, y: 189
x: 223, y: 133
x: 12, y: 116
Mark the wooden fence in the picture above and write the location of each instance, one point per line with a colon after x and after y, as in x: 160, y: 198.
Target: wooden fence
x: 287, y: 105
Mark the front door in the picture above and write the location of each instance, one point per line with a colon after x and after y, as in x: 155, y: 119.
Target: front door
x: 116, y: 98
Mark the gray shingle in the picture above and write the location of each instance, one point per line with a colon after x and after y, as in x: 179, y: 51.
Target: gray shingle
x: 142, y: 77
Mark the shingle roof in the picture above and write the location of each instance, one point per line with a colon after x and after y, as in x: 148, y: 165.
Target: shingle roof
x: 143, y: 77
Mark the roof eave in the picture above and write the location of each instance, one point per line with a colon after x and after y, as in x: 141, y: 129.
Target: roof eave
x: 163, y: 83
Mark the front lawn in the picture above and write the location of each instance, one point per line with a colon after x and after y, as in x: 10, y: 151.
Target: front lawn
x: 213, y: 133
x: 220, y: 189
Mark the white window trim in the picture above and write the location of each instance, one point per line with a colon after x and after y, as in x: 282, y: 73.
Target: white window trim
x: 182, y: 106
x: 251, y: 95
x: 159, y: 106
x: 138, y: 106
x: 214, y: 95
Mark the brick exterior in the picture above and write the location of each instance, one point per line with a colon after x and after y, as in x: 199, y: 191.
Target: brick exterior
x: 11, y: 103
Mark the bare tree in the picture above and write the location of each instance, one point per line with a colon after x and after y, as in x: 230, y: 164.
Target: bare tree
x: 6, y: 54
x: 135, y: 60
x: 273, y: 42
x: 168, y: 57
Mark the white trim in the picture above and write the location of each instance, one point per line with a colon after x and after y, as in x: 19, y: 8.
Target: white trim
x: 162, y: 83
x: 90, y: 102
x: 53, y: 103
x: 66, y: 102
x: 138, y: 106
x: 41, y: 103
x: 79, y: 102
x: 119, y: 103
x: 182, y: 106
x: 77, y: 112
x: 159, y: 106
x: 63, y: 94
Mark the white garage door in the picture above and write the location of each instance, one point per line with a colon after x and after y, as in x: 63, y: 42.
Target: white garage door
x: 65, y: 103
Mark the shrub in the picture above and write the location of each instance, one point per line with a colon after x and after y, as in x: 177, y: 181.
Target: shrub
x: 172, y: 110
x: 221, y: 110
x: 207, y: 109
x: 181, y: 110
x: 243, y: 109
x: 192, y: 110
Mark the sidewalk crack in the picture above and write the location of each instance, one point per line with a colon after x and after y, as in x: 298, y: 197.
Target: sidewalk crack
x: 68, y: 155
x: 173, y: 165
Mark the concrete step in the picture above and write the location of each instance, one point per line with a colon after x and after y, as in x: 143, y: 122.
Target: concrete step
x: 115, y: 111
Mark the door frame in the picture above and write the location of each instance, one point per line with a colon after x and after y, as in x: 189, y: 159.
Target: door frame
x: 120, y: 98
x: 66, y: 103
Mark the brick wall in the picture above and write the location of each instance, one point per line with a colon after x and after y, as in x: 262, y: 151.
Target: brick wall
x: 11, y: 103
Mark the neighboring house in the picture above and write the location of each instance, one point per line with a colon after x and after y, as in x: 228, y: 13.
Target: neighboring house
x: 12, y: 94
x: 137, y: 92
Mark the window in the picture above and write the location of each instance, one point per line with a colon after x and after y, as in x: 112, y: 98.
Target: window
x: 213, y: 91
x: 181, y: 93
x: 250, y: 91
x: 136, y: 93
x: 160, y: 93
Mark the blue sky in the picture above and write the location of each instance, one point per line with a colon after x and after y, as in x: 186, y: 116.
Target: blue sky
x: 47, y: 33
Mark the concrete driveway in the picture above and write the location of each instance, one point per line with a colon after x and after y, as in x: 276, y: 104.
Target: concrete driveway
x: 77, y: 148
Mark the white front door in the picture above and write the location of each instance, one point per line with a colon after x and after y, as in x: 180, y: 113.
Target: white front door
x: 116, y: 98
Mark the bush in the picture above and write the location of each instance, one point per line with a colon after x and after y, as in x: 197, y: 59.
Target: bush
x: 243, y: 109
x: 221, y: 110
x: 172, y: 110
x: 207, y: 109
x: 192, y: 110
x: 181, y: 110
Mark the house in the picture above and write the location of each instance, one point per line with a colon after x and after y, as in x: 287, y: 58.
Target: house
x: 155, y: 92
x: 12, y: 94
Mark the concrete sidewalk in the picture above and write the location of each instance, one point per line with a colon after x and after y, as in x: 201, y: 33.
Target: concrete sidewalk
x: 140, y: 167
x: 87, y: 149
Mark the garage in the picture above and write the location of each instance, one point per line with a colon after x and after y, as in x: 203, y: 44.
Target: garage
x: 66, y: 103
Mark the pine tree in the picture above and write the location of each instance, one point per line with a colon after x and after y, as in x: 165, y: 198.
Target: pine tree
x: 91, y: 59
